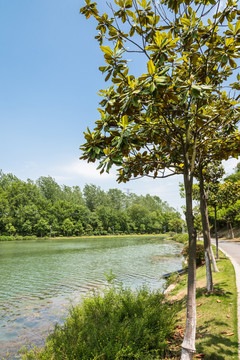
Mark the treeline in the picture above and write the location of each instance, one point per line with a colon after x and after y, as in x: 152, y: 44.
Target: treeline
x: 44, y: 208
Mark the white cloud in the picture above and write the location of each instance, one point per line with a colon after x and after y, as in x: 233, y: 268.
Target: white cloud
x: 229, y: 165
x: 85, y: 170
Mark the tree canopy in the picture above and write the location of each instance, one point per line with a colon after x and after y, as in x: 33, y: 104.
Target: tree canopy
x: 176, y: 116
x: 45, y: 208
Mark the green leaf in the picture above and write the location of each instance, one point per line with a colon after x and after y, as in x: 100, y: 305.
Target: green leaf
x: 152, y: 48
x: 128, y: 4
x: 158, y: 38
x: 185, y: 21
x: 237, y: 27
x: 125, y: 121
x: 106, y: 50
x: 232, y: 63
x: 160, y: 79
x: 152, y: 87
x: 151, y: 67
x: 229, y: 41
x: 230, y: 25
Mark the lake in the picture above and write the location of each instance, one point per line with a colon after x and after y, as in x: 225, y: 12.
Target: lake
x: 41, y: 279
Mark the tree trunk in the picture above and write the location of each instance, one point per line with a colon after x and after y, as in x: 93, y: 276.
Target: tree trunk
x: 214, y: 264
x: 188, y: 345
x: 215, y: 229
x: 206, y: 231
x: 231, y: 231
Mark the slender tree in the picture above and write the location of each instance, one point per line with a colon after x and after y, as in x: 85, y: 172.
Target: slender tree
x: 215, y: 172
x: 158, y: 124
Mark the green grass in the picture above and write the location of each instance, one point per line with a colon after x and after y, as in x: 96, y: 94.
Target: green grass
x: 216, y: 337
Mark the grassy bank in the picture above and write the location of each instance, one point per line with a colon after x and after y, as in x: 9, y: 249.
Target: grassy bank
x: 20, y: 238
x: 216, y: 336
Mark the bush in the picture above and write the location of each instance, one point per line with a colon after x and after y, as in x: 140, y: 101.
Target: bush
x: 16, y: 237
x: 200, y: 255
x: 29, y: 237
x: 119, y: 325
x: 181, y: 238
x: 7, y: 238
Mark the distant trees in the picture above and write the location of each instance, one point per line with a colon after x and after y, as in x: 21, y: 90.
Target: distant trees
x: 222, y: 197
x: 227, y: 196
x: 45, y: 208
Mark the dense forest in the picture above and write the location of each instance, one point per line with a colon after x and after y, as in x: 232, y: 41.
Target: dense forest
x: 44, y: 208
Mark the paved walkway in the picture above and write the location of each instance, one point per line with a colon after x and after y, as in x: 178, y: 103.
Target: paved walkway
x: 232, y: 250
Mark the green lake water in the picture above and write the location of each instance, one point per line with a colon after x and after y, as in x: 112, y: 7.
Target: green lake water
x: 41, y: 279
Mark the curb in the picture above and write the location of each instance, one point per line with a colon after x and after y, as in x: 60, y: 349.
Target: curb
x: 237, y: 273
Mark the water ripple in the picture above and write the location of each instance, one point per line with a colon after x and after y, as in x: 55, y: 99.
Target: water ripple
x: 40, y: 280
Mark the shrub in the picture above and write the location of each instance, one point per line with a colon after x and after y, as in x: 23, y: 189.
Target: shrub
x: 200, y: 255
x: 17, y: 237
x: 119, y: 325
x: 181, y: 238
x: 7, y: 238
x: 29, y: 237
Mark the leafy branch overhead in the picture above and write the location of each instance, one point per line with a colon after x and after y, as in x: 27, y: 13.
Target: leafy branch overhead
x: 178, y: 111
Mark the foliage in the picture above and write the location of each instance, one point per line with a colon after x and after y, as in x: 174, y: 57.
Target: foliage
x: 200, y: 256
x: 181, y: 238
x: 226, y: 198
x: 47, y: 209
x: 178, y: 103
x: 235, y: 176
x: 175, y: 116
x: 222, y: 195
x: 119, y: 324
x: 16, y: 238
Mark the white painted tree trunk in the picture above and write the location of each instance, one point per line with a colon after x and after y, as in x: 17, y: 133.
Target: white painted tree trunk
x: 206, y: 231
x: 214, y: 264
x: 208, y: 271
x: 188, y: 345
x: 187, y: 355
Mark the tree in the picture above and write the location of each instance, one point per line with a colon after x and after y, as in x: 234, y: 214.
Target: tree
x: 49, y: 188
x: 176, y: 114
x: 94, y: 196
x: 201, y: 222
x: 72, y: 194
x: 116, y: 199
x: 140, y: 217
x: 215, y: 172
x: 42, y: 227
x: 78, y: 229
x: 10, y: 229
x: 27, y: 228
x: 67, y: 227
x: 235, y: 176
x: 206, y: 229
x: 229, y: 197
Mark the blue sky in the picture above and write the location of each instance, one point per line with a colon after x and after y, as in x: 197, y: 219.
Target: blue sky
x: 49, y: 80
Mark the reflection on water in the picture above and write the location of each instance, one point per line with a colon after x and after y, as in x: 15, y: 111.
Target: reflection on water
x: 41, y: 279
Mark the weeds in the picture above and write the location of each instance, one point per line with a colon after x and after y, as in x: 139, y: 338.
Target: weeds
x: 119, y: 324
